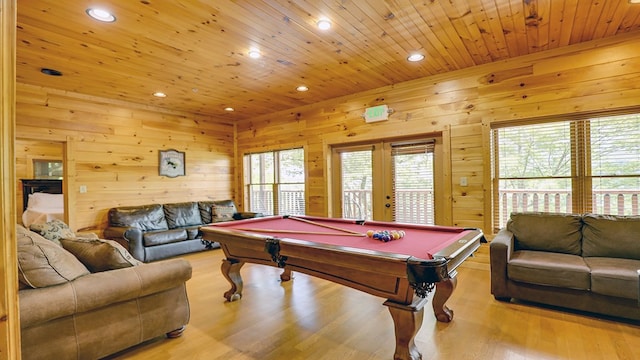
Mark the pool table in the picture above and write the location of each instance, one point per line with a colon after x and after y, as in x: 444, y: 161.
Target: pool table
x: 403, y: 271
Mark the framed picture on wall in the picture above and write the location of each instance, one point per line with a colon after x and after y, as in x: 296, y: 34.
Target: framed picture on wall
x: 171, y: 163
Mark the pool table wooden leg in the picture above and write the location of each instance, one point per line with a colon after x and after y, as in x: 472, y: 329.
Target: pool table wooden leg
x: 286, y: 274
x: 407, y: 320
x: 444, y: 289
x: 231, y: 271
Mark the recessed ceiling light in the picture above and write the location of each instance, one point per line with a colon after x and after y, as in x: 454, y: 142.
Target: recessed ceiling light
x: 52, y: 72
x: 634, y: 1
x: 254, y: 54
x: 159, y: 94
x: 324, y: 24
x: 415, y: 57
x: 101, y: 15
x: 229, y: 109
x: 302, y: 88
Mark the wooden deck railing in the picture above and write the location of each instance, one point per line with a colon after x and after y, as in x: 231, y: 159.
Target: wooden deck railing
x: 416, y: 206
x: 411, y: 206
x: 290, y: 202
x: 611, y: 201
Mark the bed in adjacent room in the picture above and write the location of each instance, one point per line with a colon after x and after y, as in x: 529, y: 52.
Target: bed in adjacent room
x: 42, y: 200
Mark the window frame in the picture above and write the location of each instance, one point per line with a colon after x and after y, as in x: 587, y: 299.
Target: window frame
x: 276, y: 185
x: 581, y: 178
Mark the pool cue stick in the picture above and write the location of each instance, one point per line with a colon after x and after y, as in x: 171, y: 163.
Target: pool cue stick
x: 300, y: 232
x: 323, y: 225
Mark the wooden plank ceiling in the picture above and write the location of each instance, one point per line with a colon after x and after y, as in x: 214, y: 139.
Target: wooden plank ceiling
x: 196, y: 51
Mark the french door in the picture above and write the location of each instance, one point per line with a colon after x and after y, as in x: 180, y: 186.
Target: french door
x: 388, y: 181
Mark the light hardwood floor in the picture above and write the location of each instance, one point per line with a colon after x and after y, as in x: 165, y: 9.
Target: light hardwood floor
x: 309, y: 318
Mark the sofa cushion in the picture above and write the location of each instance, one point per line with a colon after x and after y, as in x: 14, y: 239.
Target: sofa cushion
x: 550, y: 269
x: 53, y: 230
x: 154, y: 238
x: 145, y: 217
x: 42, y: 263
x: 205, y: 211
x: 99, y: 254
x: 611, y: 236
x: 182, y: 214
x: 614, y: 277
x: 560, y: 233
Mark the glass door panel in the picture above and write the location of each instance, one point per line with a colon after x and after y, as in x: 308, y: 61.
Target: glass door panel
x: 413, y: 183
x: 356, y: 184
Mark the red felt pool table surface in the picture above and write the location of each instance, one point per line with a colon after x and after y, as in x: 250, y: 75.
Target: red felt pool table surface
x: 420, y: 241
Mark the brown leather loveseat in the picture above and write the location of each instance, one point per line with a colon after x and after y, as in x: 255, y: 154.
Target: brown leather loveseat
x: 157, y: 231
x: 586, y: 262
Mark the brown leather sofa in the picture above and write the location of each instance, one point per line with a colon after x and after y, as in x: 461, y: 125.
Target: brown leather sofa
x: 157, y: 231
x: 69, y: 312
x: 585, y: 262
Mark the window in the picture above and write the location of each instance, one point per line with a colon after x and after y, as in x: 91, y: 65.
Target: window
x: 274, y: 182
x: 614, y: 174
x: 47, y: 169
x: 590, y: 165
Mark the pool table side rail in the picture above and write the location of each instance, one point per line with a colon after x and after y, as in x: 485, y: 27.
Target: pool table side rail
x: 459, y: 251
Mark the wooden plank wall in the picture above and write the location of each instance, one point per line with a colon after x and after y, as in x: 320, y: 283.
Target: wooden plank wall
x: 593, y: 77
x: 115, y: 150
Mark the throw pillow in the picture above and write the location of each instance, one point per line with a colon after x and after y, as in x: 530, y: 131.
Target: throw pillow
x: 221, y: 213
x: 99, y: 254
x: 42, y: 263
x: 53, y: 230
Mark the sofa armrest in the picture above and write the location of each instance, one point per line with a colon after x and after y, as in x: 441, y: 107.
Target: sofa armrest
x: 504, y: 242
x: 500, y: 252
x: 101, y: 289
x: 129, y: 237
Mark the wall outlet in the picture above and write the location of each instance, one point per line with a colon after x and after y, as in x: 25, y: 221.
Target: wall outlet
x: 83, y: 189
x: 463, y: 181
